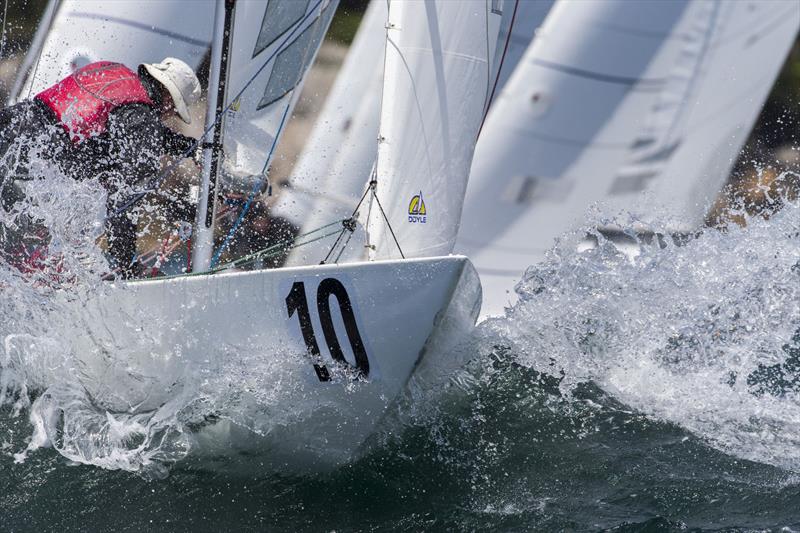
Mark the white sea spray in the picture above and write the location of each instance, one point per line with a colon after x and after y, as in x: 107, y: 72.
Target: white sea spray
x: 705, y: 335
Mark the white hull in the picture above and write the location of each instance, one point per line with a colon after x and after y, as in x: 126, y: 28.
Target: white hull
x: 148, y: 342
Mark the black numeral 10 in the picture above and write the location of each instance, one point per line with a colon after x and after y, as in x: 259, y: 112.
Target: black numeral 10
x: 296, y: 302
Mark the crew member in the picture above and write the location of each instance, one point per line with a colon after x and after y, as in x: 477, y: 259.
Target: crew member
x: 103, y: 121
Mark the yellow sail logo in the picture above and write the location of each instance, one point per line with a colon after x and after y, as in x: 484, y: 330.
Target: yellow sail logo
x: 416, y: 210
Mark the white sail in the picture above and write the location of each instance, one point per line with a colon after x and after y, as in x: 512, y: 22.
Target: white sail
x: 80, y: 33
x: 263, y: 61
x: 350, y: 116
x: 358, y: 107
x: 748, y: 45
x: 273, y: 45
x: 437, y: 81
x: 521, y: 19
x: 614, y: 99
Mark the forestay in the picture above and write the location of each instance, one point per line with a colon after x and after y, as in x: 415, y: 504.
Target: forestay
x: 81, y: 32
x: 612, y: 100
x: 437, y: 80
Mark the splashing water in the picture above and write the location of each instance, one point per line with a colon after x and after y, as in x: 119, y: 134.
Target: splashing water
x: 703, y: 335
x: 106, y: 407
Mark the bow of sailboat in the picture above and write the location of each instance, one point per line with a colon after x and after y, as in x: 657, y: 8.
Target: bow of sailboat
x: 339, y: 344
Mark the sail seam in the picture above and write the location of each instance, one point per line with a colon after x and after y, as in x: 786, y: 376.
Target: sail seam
x: 643, y: 83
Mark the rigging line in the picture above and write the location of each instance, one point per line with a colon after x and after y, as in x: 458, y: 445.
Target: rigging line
x: 3, y: 36
x: 499, y: 67
x: 335, y: 243
x: 389, y: 224
x: 259, y: 184
x: 344, y: 226
x: 251, y: 196
x: 263, y: 253
x: 153, y: 184
x: 488, y: 61
x: 270, y: 251
x: 387, y: 24
x: 343, y: 248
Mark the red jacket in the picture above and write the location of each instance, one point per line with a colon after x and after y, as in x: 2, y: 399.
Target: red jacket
x: 83, y: 101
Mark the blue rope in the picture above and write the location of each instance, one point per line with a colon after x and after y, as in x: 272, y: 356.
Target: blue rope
x: 256, y: 187
x: 153, y: 185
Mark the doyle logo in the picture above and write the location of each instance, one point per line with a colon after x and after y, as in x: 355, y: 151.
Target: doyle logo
x: 416, y: 210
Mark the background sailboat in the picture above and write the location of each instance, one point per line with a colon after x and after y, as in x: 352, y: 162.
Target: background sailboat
x: 67, y: 38
x: 642, y: 106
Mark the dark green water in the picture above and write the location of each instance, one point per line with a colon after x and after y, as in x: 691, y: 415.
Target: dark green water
x: 505, y: 452
x: 655, y: 394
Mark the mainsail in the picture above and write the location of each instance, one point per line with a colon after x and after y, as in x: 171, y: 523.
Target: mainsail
x: 437, y: 82
x: 273, y: 44
x: 268, y: 49
x: 614, y: 99
x: 74, y: 33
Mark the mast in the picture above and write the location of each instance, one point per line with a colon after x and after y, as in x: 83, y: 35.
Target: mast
x: 218, y: 73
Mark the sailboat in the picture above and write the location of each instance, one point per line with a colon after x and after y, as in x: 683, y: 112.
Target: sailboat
x: 641, y: 106
x: 343, y: 341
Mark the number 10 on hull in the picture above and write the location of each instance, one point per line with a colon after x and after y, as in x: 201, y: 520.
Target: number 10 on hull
x: 297, y: 305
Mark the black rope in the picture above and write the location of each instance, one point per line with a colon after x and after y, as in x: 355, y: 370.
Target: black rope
x: 344, y: 247
x: 389, y: 224
x: 348, y: 225
x: 3, y: 38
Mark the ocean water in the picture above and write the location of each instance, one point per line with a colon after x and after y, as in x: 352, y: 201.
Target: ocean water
x: 655, y: 393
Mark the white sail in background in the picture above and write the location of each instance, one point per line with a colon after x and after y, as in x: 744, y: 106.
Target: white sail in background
x: 273, y: 45
x: 331, y: 173
x: 437, y: 80
x: 85, y: 31
x: 521, y: 19
x: 612, y: 100
x: 748, y: 45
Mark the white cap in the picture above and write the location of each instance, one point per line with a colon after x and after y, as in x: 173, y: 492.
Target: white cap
x: 181, y: 82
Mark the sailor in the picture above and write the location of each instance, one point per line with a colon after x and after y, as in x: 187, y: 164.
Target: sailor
x: 104, y: 121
